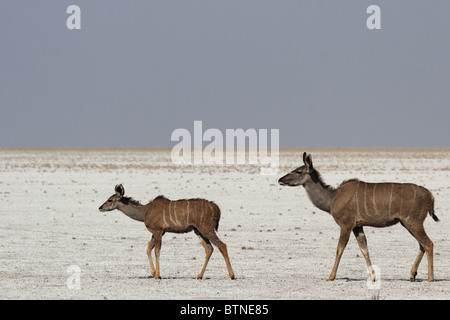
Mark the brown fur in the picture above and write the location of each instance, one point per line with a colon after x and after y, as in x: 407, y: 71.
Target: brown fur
x: 356, y: 203
x: 163, y: 215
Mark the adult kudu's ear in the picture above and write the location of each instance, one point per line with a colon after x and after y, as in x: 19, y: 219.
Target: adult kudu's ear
x: 120, y: 191
x: 307, y: 160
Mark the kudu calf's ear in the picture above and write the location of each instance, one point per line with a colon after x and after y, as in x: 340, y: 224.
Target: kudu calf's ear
x: 120, y: 191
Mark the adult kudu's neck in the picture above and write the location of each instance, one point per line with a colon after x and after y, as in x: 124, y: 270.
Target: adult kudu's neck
x: 321, y: 196
x: 134, y: 211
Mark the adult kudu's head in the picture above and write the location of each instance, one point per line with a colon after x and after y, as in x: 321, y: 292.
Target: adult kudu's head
x: 113, y: 202
x: 301, y: 175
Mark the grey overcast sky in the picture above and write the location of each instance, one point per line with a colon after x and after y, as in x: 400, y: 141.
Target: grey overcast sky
x: 137, y: 70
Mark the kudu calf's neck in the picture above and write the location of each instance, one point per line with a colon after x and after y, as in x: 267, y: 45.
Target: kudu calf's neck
x: 134, y: 211
x: 321, y: 195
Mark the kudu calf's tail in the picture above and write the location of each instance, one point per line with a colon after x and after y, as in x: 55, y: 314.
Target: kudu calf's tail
x: 431, y: 212
x: 217, y: 222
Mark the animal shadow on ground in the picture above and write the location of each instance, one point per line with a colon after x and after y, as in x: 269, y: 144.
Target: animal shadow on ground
x: 346, y: 279
x: 170, y: 278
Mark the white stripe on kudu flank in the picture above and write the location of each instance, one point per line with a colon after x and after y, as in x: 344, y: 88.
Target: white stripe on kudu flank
x: 212, y: 211
x: 175, y: 213
x: 414, y: 199
x: 357, y: 201
x: 164, y: 215
x: 170, y: 213
x: 203, y: 212
x: 187, y: 215
x: 365, y: 200
x: 390, y: 199
x: 401, y: 198
x: 374, y: 202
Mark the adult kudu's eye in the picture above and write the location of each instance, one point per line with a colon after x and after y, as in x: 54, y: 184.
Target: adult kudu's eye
x: 109, y: 200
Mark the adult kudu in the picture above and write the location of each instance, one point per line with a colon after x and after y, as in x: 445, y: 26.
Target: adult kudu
x: 163, y: 215
x: 354, y: 204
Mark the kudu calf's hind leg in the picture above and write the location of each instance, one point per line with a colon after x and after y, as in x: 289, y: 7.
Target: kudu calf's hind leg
x: 212, y: 236
x: 208, y: 252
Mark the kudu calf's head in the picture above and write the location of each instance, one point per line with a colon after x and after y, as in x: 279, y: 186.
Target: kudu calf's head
x: 113, y: 201
x: 301, y: 175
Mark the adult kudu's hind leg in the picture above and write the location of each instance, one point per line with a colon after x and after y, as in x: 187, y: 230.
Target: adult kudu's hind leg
x: 425, y: 245
x: 415, y: 266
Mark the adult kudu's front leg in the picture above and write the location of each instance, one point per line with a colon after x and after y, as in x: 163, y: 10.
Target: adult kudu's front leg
x: 362, y: 242
x: 157, y: 251
x: 150, y: 247
x: 155, y: 243
x: 343, y: 239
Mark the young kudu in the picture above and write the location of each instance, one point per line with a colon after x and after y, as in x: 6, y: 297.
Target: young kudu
x: 354, y: 204
x: 163, y: 215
